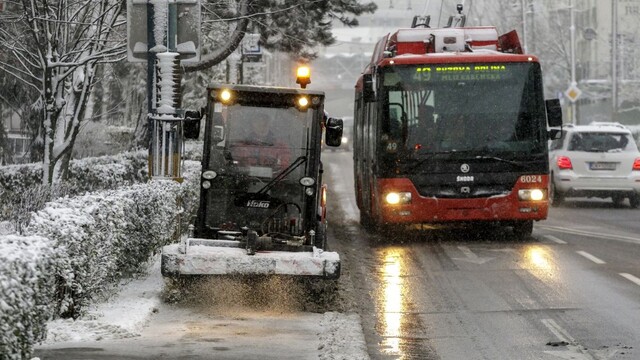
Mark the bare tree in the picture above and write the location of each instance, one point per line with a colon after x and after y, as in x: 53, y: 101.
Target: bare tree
x: 56, y: 47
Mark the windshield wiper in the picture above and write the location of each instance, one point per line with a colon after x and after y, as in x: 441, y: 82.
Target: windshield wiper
x: 429, y: 157
x: 512, y: 162
x: 299, y: 161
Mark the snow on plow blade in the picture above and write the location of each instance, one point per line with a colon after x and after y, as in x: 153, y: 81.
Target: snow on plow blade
x: 215, y: 258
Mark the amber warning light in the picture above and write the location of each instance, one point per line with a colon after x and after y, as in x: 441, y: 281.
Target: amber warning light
x: 303, y: 76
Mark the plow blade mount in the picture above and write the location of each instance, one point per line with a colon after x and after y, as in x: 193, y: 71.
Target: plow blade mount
x: 225, y: 260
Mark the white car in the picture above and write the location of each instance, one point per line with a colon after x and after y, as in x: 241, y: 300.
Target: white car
x: 596, y: 160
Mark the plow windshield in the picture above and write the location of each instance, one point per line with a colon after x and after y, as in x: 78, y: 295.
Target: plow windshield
x: 260, y: 155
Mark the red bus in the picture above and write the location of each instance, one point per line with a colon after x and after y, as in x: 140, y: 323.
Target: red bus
x: 451, y: 126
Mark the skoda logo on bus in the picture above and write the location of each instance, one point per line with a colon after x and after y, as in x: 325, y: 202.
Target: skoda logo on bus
x: 465, y: 168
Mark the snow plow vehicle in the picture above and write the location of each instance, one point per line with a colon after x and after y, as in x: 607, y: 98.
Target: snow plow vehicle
x: 262, y: 200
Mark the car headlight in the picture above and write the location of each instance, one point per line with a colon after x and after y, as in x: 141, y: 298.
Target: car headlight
x: 532, y: 194
x: 395, y: 198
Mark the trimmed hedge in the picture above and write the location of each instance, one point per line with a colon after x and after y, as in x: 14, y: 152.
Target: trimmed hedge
x: 21, y: 191
x: 25, y: 293
x: 94, y: 241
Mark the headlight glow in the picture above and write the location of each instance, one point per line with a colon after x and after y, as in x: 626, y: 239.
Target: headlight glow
x: 531, y: 194
x: 394, y: 198
x: 345, y: 140
x: 225, y: 95
x: 303, y: 101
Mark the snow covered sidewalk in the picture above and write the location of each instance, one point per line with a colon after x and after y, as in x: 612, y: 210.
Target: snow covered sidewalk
x: 136, y: 323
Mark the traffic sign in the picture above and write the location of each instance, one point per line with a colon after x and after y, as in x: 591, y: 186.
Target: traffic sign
x: 573, y: 93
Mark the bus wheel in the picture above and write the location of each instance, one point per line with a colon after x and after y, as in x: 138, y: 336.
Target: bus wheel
x: 366, y: 221
x: 523, y: 229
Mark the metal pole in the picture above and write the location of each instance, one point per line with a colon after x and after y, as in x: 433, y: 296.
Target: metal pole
x: 614, y: 58
x: 151, y: 68
x: 524, y: 27
x: 573, y: 59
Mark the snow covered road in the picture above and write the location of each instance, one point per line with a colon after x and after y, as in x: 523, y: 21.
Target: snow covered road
x: 136, y: 323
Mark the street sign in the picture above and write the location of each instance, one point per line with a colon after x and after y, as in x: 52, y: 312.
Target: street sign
x: 188, y: 29
x: 251, y: 50
x: 573, y: 93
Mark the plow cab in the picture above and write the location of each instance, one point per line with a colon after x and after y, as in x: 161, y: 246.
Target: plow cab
x: 262, y: 200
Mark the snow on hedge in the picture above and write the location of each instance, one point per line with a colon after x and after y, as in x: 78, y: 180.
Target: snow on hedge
x: 26, y: 290
x: 21, y: 191
x: 79, y: 248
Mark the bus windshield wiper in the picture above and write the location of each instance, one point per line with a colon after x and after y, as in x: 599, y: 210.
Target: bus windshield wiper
x: 512, y: 162
x: 299, y: 161
x: 429, y: 157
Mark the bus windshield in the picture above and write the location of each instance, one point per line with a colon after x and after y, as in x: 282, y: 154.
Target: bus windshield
x: 488, y: 107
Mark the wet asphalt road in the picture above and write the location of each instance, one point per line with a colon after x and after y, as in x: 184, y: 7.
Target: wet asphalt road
x: 572, y: 291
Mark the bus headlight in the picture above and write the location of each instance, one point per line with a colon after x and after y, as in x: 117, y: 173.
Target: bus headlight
x: 531, y: 194
x: 395, y: 198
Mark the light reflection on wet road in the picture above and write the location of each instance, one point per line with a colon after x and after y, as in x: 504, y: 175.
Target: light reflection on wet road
x: 483, y: 294
x: 392, y: 301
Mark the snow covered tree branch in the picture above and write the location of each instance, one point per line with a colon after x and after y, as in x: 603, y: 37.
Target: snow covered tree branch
x: 55, y: 47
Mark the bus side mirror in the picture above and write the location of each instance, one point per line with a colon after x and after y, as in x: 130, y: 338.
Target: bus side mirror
x: 333, y: 130
x: 554, y: 134
x: 191, y: 126
x: 554, y: 112
x: 367, y: 88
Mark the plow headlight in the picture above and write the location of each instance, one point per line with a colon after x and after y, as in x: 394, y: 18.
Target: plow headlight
x: 303, y: 101
x: 531, y: 194
x: 394, y: 198
x: 206, y: 184
x: 225, y: 95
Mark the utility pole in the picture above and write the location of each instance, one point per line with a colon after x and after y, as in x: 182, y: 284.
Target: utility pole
x: 614, y: 58
x: 572, y: 28
x: 157, y: 35
x: 524, y: 26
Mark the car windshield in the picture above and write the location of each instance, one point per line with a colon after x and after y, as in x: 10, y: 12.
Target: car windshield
x: 600, y: 142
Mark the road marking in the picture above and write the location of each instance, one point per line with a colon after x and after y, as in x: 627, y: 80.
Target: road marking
x: 574, y: 350
x: 471, y: 257
x: 631, y: 278
x: 592, y: 234
x: 591, y: 257
x: 555, y: 239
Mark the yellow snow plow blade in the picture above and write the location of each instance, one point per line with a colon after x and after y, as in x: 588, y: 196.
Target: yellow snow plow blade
x: 219, y: 257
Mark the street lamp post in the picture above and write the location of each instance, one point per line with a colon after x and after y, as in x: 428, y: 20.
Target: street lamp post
x: 572, y: 29
x: 614, y: 58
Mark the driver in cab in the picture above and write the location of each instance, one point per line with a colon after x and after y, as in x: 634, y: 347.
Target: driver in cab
x: 259, y: 146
